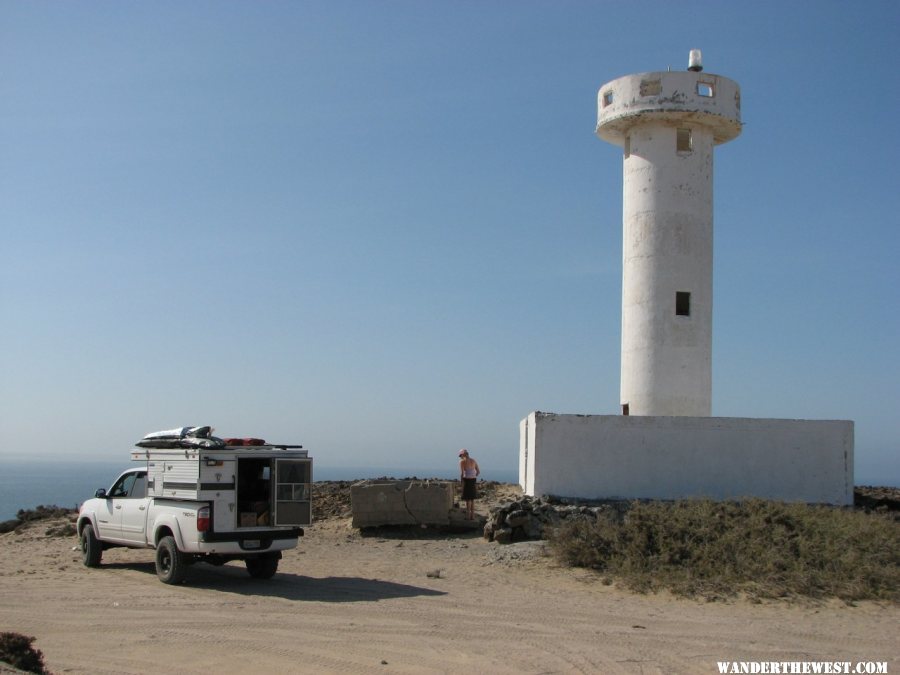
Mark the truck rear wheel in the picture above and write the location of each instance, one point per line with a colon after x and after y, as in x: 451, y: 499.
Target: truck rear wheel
x: 264, y: 566
x: 91, y: 549
x: 171, y: 564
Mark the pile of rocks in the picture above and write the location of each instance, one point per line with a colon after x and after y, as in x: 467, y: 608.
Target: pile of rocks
x: 534, y: 518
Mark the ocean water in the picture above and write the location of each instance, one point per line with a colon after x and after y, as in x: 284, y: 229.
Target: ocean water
x: 27, y: 484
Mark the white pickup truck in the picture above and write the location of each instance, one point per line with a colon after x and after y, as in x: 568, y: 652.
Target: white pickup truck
x: 210, y: 505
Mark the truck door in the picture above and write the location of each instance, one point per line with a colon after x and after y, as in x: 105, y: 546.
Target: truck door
x: 119, y: 502
x: 134, y: 510
x: 109, y: 523
x: 293, y: 479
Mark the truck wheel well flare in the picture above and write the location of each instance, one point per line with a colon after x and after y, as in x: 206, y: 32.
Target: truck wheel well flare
x: 163, y: 532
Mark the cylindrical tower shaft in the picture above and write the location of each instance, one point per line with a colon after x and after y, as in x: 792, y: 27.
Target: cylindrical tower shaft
x: 668, y: 124
x: 667, y: 274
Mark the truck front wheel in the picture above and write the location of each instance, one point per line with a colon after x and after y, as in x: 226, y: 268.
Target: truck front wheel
x: 91, y: 549
x: 171, y: 564
x: 264, y: 566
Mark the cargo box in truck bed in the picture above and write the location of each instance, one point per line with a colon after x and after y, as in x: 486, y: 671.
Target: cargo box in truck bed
x: 271, y: 481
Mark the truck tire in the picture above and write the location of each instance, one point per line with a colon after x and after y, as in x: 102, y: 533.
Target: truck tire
x: 264, y: 566
x: 171, y: 564
x: 91, y: 549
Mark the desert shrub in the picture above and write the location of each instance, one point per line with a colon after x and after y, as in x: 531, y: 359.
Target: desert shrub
x: 759, y: 548
x: 44, y: 513
x: 16, y: 650
x: 64, y: 530
x: 9, y: 525
x: 25, y: 516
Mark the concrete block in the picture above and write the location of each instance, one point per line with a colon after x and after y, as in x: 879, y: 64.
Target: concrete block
x: 401, y: 502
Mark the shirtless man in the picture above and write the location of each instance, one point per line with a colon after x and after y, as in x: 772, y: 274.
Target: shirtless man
x: 468, y: 473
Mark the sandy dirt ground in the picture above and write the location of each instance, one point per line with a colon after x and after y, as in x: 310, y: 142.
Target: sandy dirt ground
x: 401, y: 601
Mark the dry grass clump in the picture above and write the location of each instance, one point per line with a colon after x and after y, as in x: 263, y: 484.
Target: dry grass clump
x: 758, y: 548
x: 16, y: 650
x: 44, y: 513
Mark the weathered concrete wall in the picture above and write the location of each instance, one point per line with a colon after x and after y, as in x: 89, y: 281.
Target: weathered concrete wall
x: 603, y: 456
x: 399, y: 502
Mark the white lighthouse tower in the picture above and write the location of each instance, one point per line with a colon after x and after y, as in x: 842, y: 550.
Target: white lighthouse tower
x: 668, y: 124
x: 669, y: 446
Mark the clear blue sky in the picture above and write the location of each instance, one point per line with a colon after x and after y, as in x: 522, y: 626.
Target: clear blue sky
x: 386, y: 230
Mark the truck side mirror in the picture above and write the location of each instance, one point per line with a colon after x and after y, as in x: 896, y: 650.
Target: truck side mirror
x: 101, y: 493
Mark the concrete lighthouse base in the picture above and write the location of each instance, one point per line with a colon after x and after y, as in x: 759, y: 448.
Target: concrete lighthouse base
x: 636, y: 457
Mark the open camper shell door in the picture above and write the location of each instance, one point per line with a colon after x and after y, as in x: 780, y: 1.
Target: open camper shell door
x: 293, y: 492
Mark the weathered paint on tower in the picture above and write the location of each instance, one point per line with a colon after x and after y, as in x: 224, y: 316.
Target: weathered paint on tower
x: 668, y: 124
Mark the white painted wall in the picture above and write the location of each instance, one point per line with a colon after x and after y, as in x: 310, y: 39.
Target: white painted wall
x: 603, y: 456
x: 667, y: 231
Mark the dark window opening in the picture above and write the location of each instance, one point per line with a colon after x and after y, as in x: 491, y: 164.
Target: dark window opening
x: 682, y: 303
x: 683, y: 141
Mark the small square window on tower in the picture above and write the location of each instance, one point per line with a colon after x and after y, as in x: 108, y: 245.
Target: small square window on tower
x: 607, y: 98
x: 683, y: 141
x: 682, y: 303
x: 706, y: 89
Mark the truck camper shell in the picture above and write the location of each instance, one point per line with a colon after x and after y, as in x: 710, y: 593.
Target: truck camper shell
x: 248, y: 486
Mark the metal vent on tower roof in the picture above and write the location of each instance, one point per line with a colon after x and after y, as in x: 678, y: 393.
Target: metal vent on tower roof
x: 695, y: 61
